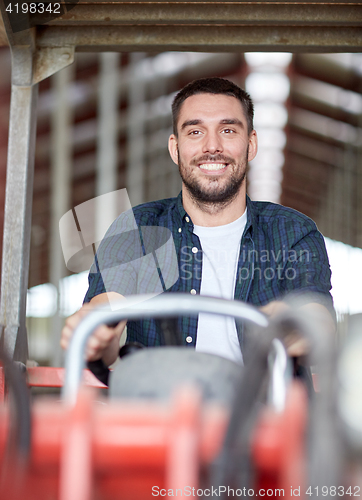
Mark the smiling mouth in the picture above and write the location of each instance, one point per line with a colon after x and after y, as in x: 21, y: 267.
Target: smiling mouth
x: 213, y: 166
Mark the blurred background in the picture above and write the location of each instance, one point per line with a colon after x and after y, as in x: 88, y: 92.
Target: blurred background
x: 103, y: 125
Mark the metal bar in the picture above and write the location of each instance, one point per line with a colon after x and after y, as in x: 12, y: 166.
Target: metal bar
x: 184, y: 457
x: 138, y: 307
x: 108, y: 96
x: 231, y: 2
x: 2, y: 384
x: 76, y: 467
x: 17, y: 221
x: 136, y: 142
x: 61, y: 177
x: 203, y: 38
x: 280, y: 376
x: 107, y: 135
x: 208, y: 13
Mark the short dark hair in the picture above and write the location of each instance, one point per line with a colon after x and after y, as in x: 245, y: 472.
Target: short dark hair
x: 213, y: 85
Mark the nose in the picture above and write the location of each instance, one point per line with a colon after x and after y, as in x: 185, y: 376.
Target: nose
x: 212, y: 143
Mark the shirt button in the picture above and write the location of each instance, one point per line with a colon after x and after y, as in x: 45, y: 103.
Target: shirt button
x: 187, y: 219
x: 193, y: 291
x: 194, y: 250
x: 179, y: 230
x: 188, y: 339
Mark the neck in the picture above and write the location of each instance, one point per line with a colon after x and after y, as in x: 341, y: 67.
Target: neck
x: 214, y: 214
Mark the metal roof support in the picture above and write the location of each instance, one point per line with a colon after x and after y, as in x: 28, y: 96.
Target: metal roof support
x: 135, y: 173
x: 29, y: 66
x: 214, y: 12
x: 17, y: 222
x: 107, y: 138
x: 203, y: 38
x: 61, y: 177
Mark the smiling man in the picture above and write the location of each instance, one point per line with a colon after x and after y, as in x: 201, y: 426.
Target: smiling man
x: 212, y: 152
x: 227, y: 245
x: 212, y: 143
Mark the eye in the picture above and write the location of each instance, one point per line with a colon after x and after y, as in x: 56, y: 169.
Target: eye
x: 228, y: 131
x: 194, y: 132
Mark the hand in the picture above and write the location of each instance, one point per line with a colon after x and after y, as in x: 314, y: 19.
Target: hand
x: 104, y: 342
x: 295, y: 343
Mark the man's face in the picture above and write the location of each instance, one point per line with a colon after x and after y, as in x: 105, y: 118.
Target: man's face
x: 213, y: 146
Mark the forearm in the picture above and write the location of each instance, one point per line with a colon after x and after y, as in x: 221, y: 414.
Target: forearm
x: 323, y: 313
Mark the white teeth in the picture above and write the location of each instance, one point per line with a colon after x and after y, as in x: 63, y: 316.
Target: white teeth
x: 212, y: 166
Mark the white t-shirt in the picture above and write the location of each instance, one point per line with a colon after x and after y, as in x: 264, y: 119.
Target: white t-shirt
x: 220, y: 253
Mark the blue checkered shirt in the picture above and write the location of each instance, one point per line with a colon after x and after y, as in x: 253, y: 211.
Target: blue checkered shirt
x: 281, y: 252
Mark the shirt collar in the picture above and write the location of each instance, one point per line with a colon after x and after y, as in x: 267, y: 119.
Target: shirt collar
x: 251, y: 215
x: 180, y: 208
x: 179, y: 205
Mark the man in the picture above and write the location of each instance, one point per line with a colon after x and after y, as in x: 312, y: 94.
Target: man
x: 226, y: 244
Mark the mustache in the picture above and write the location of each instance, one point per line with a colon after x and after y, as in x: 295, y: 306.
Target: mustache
x: 219, y: 158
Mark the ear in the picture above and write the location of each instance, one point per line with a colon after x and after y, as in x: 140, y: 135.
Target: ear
x: 173, y: 148
x: 253, y: 145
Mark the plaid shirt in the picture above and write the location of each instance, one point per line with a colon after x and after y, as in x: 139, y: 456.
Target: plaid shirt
x: 281, y: 252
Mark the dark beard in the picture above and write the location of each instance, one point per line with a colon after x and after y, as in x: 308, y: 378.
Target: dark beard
x: 223, y: 196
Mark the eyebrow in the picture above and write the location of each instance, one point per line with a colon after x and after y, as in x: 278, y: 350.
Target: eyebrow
x: 226, y: 121
x: 189, y: 123
x: 232, y: 121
